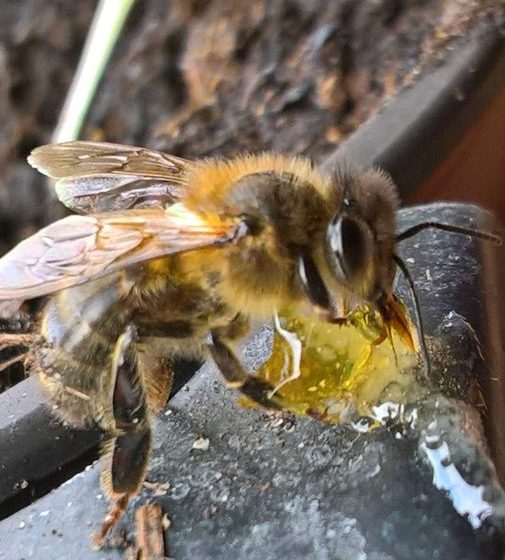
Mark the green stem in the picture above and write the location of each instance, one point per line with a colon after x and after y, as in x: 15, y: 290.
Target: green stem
x: 108, y: 21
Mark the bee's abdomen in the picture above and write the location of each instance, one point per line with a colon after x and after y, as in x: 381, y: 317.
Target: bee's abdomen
x: 79, y: 329
x: 85, y: 321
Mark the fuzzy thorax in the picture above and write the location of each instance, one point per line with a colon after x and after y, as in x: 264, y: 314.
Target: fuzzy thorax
x: 210, y: 183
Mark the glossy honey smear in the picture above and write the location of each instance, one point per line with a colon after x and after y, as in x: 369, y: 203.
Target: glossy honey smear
x: 338, y: 372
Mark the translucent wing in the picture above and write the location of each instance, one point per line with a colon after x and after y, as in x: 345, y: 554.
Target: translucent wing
x: 97, y: 177
x: 79, y: 248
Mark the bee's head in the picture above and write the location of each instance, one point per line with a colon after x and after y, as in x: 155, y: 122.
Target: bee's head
x: 359, y: 242
x: 360, y: 239
x: 341, y: 234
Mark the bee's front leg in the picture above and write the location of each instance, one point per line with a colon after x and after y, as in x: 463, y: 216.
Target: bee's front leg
x: 234, y: 372
x: 127, y: 447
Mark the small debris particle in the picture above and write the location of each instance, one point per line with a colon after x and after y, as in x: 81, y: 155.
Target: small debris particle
x: 290, y: 427
x: 157, y: 488
x: 21, y: 525
x: 411, y: 260
x: 265, y: 487
x: 168, y: 412
x: 150, y: 532
x: 76, y: 393
x: 166, y: 522
x: 428, y: 275
x: 363, y: 425
x: 201, y: 443
x: 277, y: 422
x: 44, y: 513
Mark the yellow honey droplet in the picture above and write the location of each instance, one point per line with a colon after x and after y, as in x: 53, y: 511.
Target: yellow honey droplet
x: 341, y: 368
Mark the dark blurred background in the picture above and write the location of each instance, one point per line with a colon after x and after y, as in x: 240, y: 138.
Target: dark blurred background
x: 207, y: 77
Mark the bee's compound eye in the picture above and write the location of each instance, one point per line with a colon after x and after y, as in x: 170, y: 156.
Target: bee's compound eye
x: 350, y: 244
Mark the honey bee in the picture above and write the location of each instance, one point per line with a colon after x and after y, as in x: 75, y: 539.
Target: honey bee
x: 169, y: 258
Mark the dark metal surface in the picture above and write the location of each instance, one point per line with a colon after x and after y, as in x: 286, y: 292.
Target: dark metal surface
x: 31, y: 441
x: 298, y: 489
x: 37, y: 452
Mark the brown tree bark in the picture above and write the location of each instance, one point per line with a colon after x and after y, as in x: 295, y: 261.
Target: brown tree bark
x: 213, y: 77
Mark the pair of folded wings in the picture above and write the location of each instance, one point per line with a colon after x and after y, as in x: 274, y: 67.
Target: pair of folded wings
x: 129, y: 201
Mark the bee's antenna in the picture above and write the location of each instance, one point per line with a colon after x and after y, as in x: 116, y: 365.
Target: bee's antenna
x: 417, y: 309
x: 414, y: 230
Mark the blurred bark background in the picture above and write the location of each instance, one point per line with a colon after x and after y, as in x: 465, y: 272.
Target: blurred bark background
x: 207, y: 77
x: 40, y: 45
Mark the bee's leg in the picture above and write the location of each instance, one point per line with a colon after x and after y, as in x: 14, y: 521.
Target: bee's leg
x: 234, y: 372
x: 127, y: 448
x: 12, y: 340
x: 8, y: 340
x: 22, y: 357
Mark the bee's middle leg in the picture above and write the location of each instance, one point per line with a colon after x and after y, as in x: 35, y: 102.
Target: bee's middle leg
x: 234, y: 372
x: 127, y: 447
x: 230, y: 366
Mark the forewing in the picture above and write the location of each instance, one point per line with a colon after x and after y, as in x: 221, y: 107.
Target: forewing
x: 79, y: 248
x: 95, y: 177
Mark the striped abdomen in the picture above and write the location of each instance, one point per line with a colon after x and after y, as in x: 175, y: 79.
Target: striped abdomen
x: 79, y: 330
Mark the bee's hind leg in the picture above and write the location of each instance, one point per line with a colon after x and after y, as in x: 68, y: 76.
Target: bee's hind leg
x: 235, y: 374
x: 127, y: 448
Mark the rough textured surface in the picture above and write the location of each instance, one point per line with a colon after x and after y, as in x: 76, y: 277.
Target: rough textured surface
x: 270, y: 487
x: 32, y: 441
x: 219, y: 77
x: 418, y: 131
